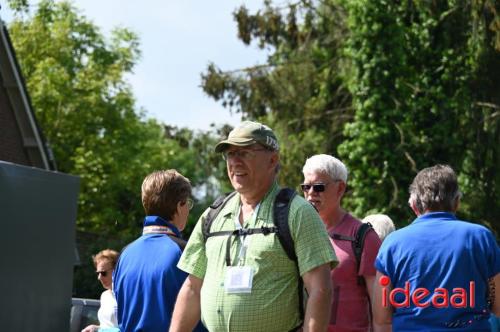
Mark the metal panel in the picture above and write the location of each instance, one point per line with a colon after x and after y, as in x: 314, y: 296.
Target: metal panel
x: 37, y: 241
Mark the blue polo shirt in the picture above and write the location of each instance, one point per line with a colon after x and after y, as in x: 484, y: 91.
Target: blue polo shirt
x: 439, y: 251
x: 146, y: 281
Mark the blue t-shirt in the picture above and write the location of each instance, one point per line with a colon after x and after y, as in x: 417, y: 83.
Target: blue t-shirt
x: 439, y: 251
x: 146, y: 281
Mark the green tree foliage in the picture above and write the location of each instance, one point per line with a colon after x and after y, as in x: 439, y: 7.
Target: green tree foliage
x: 390, y: 87
x: 424, y: 80
x: 86, y: 108
x: 299, y: 92
x: 75, y: 78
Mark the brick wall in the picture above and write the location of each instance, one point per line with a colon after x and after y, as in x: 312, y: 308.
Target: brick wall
x: 11, y: 143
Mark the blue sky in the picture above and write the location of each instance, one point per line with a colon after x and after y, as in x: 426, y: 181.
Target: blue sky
x: 178, y: 39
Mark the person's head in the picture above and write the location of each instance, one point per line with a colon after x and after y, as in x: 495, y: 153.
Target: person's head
x: 434, y: 189
x: 167, y: 194
x: 325, y: 180
x: 251, y: 152
x: 105, y: 262
x: 381, y: 223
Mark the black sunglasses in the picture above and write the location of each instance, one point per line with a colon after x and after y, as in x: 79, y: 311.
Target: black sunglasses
x: 102, y: 273
x: 317, y: 187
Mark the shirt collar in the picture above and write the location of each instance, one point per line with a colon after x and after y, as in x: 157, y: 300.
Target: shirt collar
x: 159, y: 221
x: 435, y: 216
x: 234, y: 204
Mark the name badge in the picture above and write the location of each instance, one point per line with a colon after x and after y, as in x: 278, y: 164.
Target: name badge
x: 238, y: 279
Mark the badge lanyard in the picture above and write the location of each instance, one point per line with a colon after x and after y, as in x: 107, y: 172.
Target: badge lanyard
x: 245, y: 240
x: 239, y: 278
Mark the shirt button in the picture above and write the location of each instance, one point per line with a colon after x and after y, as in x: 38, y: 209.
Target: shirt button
x: 218, y: 311
x: 222, y: 284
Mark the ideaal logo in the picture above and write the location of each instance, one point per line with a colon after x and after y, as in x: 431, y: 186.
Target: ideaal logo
x: 441, y: 297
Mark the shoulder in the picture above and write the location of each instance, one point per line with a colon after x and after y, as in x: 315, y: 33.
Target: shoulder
x: 181, y: 243
x: 299, y: 204
x: 304, y: 214
x: 372, y: 239
x: 472, y: 227
x: 230, y: 201
x: 129, y: 248
x: 353, y: 225
x: 475, y: 231
x: 394, y: 240
x: 349, y: 225
x: 352, y: 222
x: 107, y: 295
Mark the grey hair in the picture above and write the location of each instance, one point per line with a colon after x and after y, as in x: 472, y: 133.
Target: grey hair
x: 435, y: 189
x: 382, y: 224
x: 327, y: 164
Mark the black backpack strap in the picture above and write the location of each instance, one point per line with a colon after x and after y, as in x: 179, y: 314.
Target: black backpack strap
x: 358, y: 243
x: 357, y: 246
x: 282, y: 229
x: 179, y: 241
x: 281, y: 210
x: 242, y: 232
x: 341, y: 237
x: 215, y: 208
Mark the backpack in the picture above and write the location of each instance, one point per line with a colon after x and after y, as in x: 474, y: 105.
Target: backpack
x: 281, y: 208
x: 358, y: 243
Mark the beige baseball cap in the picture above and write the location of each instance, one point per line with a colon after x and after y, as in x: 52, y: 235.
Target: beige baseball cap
x: 248, y: 133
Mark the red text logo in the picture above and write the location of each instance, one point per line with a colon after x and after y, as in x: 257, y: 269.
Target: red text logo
x: 440, y: 297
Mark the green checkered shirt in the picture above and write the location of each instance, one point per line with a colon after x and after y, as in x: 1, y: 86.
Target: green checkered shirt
x: 272, y: 304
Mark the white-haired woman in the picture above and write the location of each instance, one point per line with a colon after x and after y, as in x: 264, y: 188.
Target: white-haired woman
x: 382, y: 224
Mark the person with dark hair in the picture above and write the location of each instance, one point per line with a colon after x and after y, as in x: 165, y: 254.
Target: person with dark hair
x: 240, y: 275
x: 146, y: 279
x: 105, y: 262
x: 433, y: 275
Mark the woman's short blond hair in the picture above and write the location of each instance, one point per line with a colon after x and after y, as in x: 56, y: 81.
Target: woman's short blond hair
x: 106, y: 255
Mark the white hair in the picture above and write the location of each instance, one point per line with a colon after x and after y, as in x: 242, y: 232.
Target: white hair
x: 381, y: 223
x: 324, y: 163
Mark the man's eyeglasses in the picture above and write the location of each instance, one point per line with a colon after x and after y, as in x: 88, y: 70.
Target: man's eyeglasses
x: 317, y: 187
x: 247, y: 154
x: 190, y: 203
x: 101, y: 273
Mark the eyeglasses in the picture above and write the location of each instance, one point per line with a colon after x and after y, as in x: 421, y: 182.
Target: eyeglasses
x: 317, y: 187
x: 190, y: 203
x: 247, y: 154
x: 101, y: 273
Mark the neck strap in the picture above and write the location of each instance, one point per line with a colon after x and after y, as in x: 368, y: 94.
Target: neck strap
x: 160, y: 226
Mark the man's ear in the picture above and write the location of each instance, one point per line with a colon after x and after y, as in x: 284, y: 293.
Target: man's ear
x: 341, y: 188
x: 456, y: 205
x: 413, y: 206
x: 177, y: 210
x: 275, y: 159
x: 176, y: 217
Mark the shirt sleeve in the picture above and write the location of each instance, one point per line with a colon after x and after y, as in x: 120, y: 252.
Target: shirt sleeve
x: 312, y: 245
x: 194, y: 260
x: 383, y: 262
x: 492, y: 252
x: 369, y: 253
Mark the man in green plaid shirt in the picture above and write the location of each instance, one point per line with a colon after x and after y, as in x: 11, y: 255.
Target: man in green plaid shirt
x: 251, y: 284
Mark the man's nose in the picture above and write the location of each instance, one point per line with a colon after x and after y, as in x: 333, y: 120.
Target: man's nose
x: 310, y: 190
x: 235, y: 160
